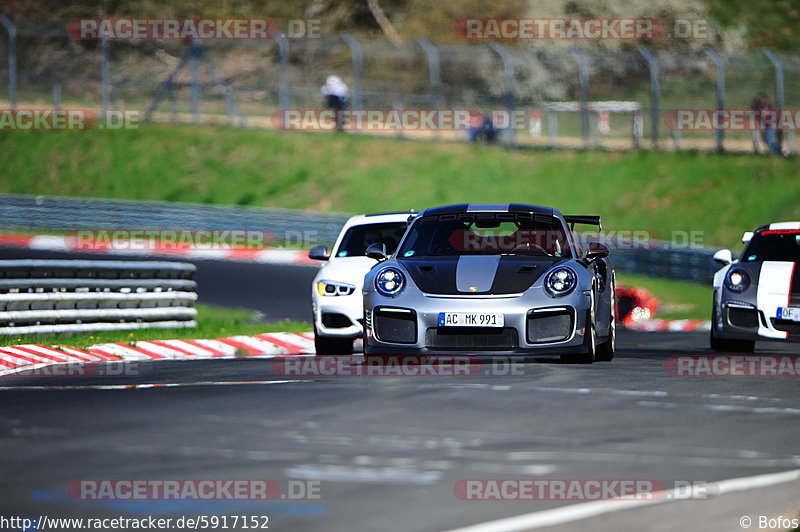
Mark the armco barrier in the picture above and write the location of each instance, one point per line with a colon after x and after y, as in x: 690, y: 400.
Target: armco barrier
x: 21, y: 212
x: 67, y: 214
x: 660, y: 260
x: 48, y: 296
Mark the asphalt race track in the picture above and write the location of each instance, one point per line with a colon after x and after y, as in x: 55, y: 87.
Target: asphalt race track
x: 386, y: 451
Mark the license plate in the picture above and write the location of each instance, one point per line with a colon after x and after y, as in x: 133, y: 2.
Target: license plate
x: 471, y: 319
x: 789, y: 313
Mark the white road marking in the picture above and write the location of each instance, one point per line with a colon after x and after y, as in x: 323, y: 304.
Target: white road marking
x: 366, y: 475
x: 724, y: 408
x: 143, y: 386
x: 585, y: 510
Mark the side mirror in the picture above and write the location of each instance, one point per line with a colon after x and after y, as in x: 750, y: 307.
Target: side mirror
x: 597, y: 251
x: 377, y: 251
x: 723, y: 257
x: 747, y: 237
x: 318, y: 253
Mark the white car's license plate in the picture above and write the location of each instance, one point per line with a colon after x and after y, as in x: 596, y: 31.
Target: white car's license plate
x: 471, y: 319
x: 789, y: 313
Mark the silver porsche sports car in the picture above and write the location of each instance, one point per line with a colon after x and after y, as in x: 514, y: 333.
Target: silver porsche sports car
x: 757, y: 297
x: 491, y: 279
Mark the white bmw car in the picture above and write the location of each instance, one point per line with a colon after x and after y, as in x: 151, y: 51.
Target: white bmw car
x: 757, y: 297
x: 336, y: 292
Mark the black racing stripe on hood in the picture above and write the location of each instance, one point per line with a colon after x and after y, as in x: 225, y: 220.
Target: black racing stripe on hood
x: 514, y: 274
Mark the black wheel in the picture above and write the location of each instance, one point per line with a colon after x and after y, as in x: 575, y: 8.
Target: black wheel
x: 726, y: 344
x: 606, y: 350
x: 589, y: 342
x: 331, y: 345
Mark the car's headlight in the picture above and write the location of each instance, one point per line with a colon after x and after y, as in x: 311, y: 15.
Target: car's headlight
x: 560, y: 281
x: 332, y: 288
x: 737, y: 280
x: 390, y: 282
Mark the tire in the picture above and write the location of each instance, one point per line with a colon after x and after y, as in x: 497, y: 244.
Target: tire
x: 726, y: 344
x: 589, y: 342
x: 605, y: 351
x: 331, y: 345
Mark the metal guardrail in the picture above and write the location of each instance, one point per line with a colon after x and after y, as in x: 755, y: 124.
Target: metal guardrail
x: 695, y: 265
x: 65, y: 214
x: 49, y: 296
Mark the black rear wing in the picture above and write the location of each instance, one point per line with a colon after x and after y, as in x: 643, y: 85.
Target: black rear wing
x: 587, y: 220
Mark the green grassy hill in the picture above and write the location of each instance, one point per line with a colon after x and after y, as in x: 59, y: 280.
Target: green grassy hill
x: 720, y: 195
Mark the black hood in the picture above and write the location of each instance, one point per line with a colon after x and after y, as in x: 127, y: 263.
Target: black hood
x: 477, y: 274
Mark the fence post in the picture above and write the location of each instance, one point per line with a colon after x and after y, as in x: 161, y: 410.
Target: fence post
x: 357, y: 55
x: 508, y: 74
x: 434, y: 74
x: 57, y: 95
x: 12, y: 61
x: 552, y: 128
x: 719, y: 134
x: 655, y: 89
x: 779, y: 103
x: 284, y: 96
x: 583, y: 80
x: 106, y: 77
x: 195, y: 68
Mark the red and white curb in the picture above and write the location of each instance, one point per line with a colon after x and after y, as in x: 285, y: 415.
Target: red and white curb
x: 16, y: 358
x: 659, y: 325
x: 70, y: 244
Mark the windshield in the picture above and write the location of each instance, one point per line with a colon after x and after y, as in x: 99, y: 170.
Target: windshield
x: 359, y: 237
x: 773, y: 245
x: 486, y: 234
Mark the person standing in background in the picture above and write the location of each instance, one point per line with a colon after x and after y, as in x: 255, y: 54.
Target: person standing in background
x: 336, y: 93
x: 762, y: 106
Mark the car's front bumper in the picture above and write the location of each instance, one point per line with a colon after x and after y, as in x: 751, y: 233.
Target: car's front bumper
x: 534, y: 324
x: 739, y: 320
x: 338, y: 316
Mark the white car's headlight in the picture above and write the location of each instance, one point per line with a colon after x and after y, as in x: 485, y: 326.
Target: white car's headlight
x: 390, y: 282
x: 560, y: 281
x: 737, y: 280
x: 333, y: 288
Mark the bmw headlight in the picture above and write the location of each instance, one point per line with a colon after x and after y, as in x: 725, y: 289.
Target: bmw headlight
x: 389, y: 282
x: 332, y: 288
x: 737, y: 280
x: 560, y: 281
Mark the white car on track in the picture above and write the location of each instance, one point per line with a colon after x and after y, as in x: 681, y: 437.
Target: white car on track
x: 757, y: 297
x: 336, y: 296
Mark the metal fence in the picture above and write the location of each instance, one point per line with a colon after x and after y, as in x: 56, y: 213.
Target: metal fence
x: 244, y: 82
x: 50, y: 296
